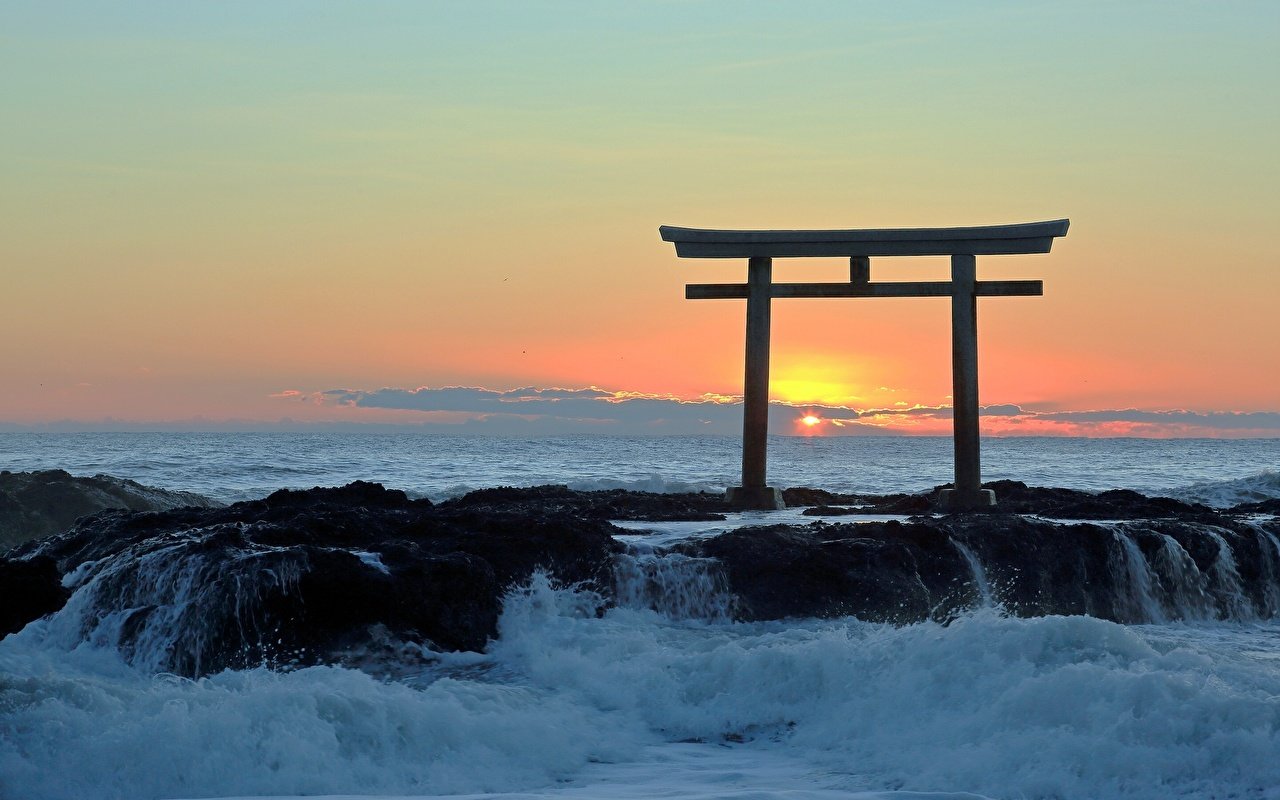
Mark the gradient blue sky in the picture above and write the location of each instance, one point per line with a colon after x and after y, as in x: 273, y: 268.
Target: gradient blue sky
x: 210, y: 209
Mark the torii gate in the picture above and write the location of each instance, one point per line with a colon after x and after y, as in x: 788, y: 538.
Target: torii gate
x: 963, y: 245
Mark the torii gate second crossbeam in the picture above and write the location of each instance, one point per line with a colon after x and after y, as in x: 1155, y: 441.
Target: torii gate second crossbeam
x: 963, y: 245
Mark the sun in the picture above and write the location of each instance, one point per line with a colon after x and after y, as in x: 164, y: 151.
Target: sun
x: 810, y: 420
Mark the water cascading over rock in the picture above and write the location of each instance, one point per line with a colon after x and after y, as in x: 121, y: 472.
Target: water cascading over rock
x: 323, y: 575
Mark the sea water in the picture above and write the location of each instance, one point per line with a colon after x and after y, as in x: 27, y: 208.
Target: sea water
x: 577, y: 700
x: 241, y: 466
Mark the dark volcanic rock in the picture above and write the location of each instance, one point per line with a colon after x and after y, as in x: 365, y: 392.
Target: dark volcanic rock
x: 1135, y: 571
x: 1271, y: 506
x: 306, y: 577
x: 29, y: 589
x: 36, y: 504
x: 832, y: 511
x: 878, y: 571
x: 1015, y: 497
x: 327, y: 575
x: 903, y: 504
x: 1036, y: 567
x: 798, y: 496
x: 602, y: 504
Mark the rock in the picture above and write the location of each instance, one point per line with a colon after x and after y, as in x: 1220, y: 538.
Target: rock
x: 29, y: 589
x: 36, y: 504
x: 1015, y: 497
x: 903, y: 572
x: 1037, y: 567
x: 799, y: 496
x: 878, y: 571
x: 1269, y: 506
x: 306, y: 577
x: 832, y: 511
x: 617, y: 504
x: 880, y: 505
x: 326, y: 575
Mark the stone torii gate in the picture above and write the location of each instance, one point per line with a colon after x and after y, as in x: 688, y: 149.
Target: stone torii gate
x: 963, y: 245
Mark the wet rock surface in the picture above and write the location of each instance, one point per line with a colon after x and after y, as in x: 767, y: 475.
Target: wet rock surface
x: 37, y: 504
x: 1271, y: 506
x: 1015, y: 497
x: 305, y: 577
x: 1151, y: 570
x: 29, y: 589
x: 805, y: 496
x: 606, y: 504
x: 878, y: 571
x: 324, y: 575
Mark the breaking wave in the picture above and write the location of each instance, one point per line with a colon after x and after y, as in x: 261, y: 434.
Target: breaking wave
x: 1264, y: 485
x: 1041, y: 708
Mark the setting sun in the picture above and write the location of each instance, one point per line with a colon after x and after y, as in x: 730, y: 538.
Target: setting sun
x: 811, y: 420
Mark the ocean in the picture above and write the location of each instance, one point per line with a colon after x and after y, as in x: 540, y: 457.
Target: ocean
x: 242, y: 466
x: 675, y: 702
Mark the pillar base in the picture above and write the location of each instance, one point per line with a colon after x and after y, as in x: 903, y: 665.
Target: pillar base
x: 755, y: 498
x: 966, y: 500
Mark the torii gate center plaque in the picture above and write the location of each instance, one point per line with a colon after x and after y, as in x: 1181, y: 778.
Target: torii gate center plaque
x: 963, y: 245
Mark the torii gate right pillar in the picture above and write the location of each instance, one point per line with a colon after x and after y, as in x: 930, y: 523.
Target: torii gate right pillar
x: 967, y: 492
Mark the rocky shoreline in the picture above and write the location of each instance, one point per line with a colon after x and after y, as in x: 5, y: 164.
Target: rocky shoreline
x: 36, y: 504
x: 324, y: 575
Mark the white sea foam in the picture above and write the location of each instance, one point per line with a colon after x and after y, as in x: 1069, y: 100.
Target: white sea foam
x: 1264, y: 485
x: 1044, y: 707
x: 673, y: 584
x: 986, y: 597
x: 1140, y: 604
x: 649, y: 483
x: 99, y: 731
x: 372, y: 559
x: 567, y: 701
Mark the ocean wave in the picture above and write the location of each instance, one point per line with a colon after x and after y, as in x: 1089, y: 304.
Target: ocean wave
x: 1006, y: 707
x: 320, y: 730
x: 998, y: 706
x: 1263, y: 485
x: 649, y: 483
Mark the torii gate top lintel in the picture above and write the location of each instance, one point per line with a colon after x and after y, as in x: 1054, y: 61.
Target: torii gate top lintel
x: 1029, y: 237
x: 963, y: 245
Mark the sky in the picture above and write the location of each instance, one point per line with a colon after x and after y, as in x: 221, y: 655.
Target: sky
x: 443, y: 216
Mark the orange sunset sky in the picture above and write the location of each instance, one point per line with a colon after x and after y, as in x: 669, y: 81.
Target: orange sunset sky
x: 443, y: 216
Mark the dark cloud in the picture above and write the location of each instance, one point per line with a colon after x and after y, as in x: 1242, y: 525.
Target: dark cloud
x: 591, y: 409
x: 532, y: 393
x: 1004, y: 410
x: 559, y: 408
x: 527, y: 400
x: 1222, y: 420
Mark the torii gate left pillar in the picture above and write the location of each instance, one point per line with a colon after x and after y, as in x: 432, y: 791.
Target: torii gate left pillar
x: 754, y: 493
x: 963, y: 245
